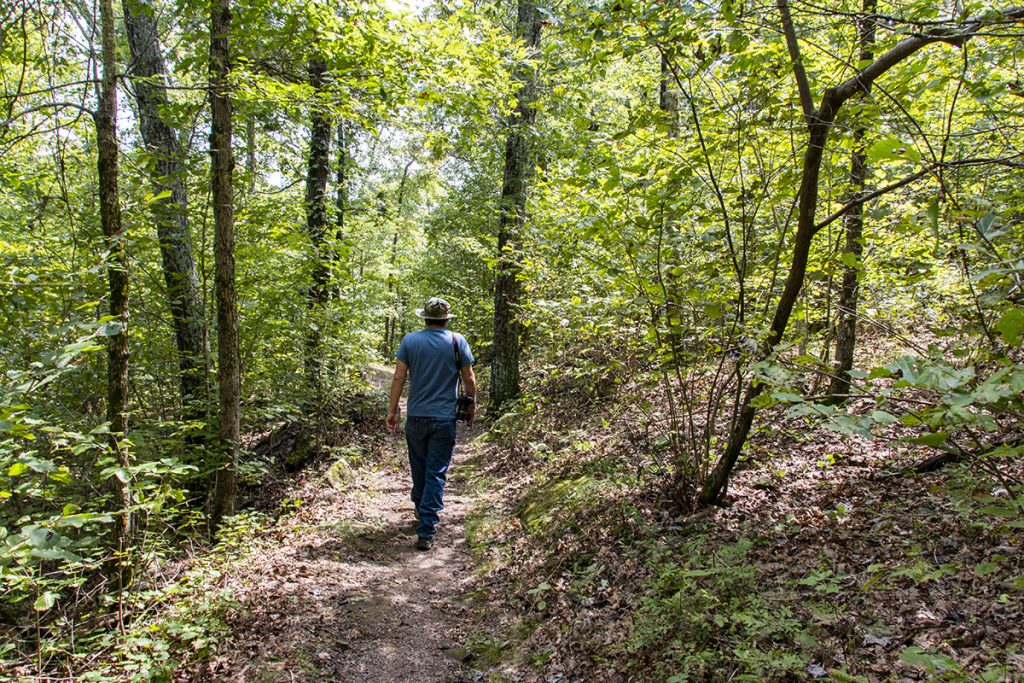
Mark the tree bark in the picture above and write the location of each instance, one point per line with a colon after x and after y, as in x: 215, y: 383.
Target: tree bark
x: 819, y: 126
x: 222, y: 163
x: 668, y: 98
x: 170, y: 213
x: 338, y: 267
x: 317, y: 173
x: 849, y: 295
x: 250, y: 152
x: 518, y: 169
x: 117, y: 277
x: 340, y: 186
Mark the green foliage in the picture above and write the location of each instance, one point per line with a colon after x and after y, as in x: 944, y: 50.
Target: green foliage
x: 192, y: 615
x: 698, y: 596
x: 941, y: 667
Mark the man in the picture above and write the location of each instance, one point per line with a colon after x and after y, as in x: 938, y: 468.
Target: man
x: 433, y: 358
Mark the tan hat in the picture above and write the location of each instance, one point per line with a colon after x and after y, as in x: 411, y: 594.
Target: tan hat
x: 435, y: 309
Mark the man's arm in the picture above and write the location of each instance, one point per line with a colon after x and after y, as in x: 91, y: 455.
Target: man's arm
x: 469, y: 386
x: 397, y: 382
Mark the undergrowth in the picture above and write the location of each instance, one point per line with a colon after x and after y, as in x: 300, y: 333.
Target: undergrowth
x: 830, y: 563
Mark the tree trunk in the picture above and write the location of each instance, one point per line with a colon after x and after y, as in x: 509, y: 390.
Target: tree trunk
x: 849, y: 295
x: 668, y: 97
x: 340, y: 208
x: 518, y: 168
x: 170, y: 212
x: 394, y: 296
x: 117, y: 277
x: 317, y: 172
x: 250, y: 152
x: 819, y: 124
x: 222, y: 162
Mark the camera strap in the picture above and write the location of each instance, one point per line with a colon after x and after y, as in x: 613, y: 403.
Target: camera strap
x: 458, y: 365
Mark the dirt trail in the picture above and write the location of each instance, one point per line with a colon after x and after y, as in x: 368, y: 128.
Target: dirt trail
x: 344, y: 596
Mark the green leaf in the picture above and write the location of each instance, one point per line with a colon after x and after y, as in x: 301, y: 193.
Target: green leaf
x: 879, y: 373
x: 45, y: 601
x: 892, y: 148
x: 934, y: 439
x: 882, y: 417
x: 55, y: 554
x: 999, y: 511
x: 111, y: 329
x: 39, y: 537
x: 986, y: 568
x: 81, y: 347
x: 17, y: 469
x: 1011, y: 326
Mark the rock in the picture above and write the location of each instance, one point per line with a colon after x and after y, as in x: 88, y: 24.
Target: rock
x: 817, y: 671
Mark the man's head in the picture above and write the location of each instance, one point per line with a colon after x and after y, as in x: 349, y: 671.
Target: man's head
x: 435, y: 312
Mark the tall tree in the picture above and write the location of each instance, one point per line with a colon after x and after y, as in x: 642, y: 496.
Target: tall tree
x: 169, y: 210
x: 394, y: 296
x: 117, y: 272
x: 340, y: 195
x: 846, y: 325
x: 318, y: 170
x: 222, y: 162
x: 518, y: 169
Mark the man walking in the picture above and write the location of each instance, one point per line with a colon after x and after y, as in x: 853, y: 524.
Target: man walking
x: 433, y: 358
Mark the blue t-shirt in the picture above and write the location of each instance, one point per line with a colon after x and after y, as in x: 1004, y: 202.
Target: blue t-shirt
x: 433, y: 377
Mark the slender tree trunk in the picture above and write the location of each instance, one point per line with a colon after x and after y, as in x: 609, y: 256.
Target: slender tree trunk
x: 340, y: 206
x: 170, y: 212
x: 518, y: 168
x: 317, y: 171
x: 222, y: 163
x: 250, y: 151
x: 668, y: 97
x: 117, y: 277
x: 394, y: 296
x: 340, y: 183
x: 819, y: 124
x: 849, y: 296
x: 391, y: 318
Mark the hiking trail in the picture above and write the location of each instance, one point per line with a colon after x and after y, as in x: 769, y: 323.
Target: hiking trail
x: 342, y: 595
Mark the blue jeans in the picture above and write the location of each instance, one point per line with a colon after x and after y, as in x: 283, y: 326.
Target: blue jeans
x: 431, y: 444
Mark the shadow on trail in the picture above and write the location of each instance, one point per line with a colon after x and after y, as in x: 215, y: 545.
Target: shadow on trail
x: 346, y: 597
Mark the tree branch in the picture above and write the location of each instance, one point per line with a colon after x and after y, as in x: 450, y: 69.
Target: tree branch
x: 802, y: 84
x: 1009, y: 162
x: 78, y: 106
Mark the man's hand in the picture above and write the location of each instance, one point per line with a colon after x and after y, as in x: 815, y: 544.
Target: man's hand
x: 472, y: 414
x: 394, y: 412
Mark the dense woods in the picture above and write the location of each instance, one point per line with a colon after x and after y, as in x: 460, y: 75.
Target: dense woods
x: 683, y: 239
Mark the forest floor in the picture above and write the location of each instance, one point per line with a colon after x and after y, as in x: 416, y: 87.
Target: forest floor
x: 830, y: 562
x: 341, y: 594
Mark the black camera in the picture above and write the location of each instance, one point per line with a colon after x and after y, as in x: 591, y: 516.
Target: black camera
x: 463, y: 406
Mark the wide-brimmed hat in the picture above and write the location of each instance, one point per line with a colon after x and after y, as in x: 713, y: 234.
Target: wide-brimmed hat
x: 435, y: 309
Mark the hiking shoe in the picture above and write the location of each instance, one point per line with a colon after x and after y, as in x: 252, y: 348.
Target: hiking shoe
x: 424, y: 543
